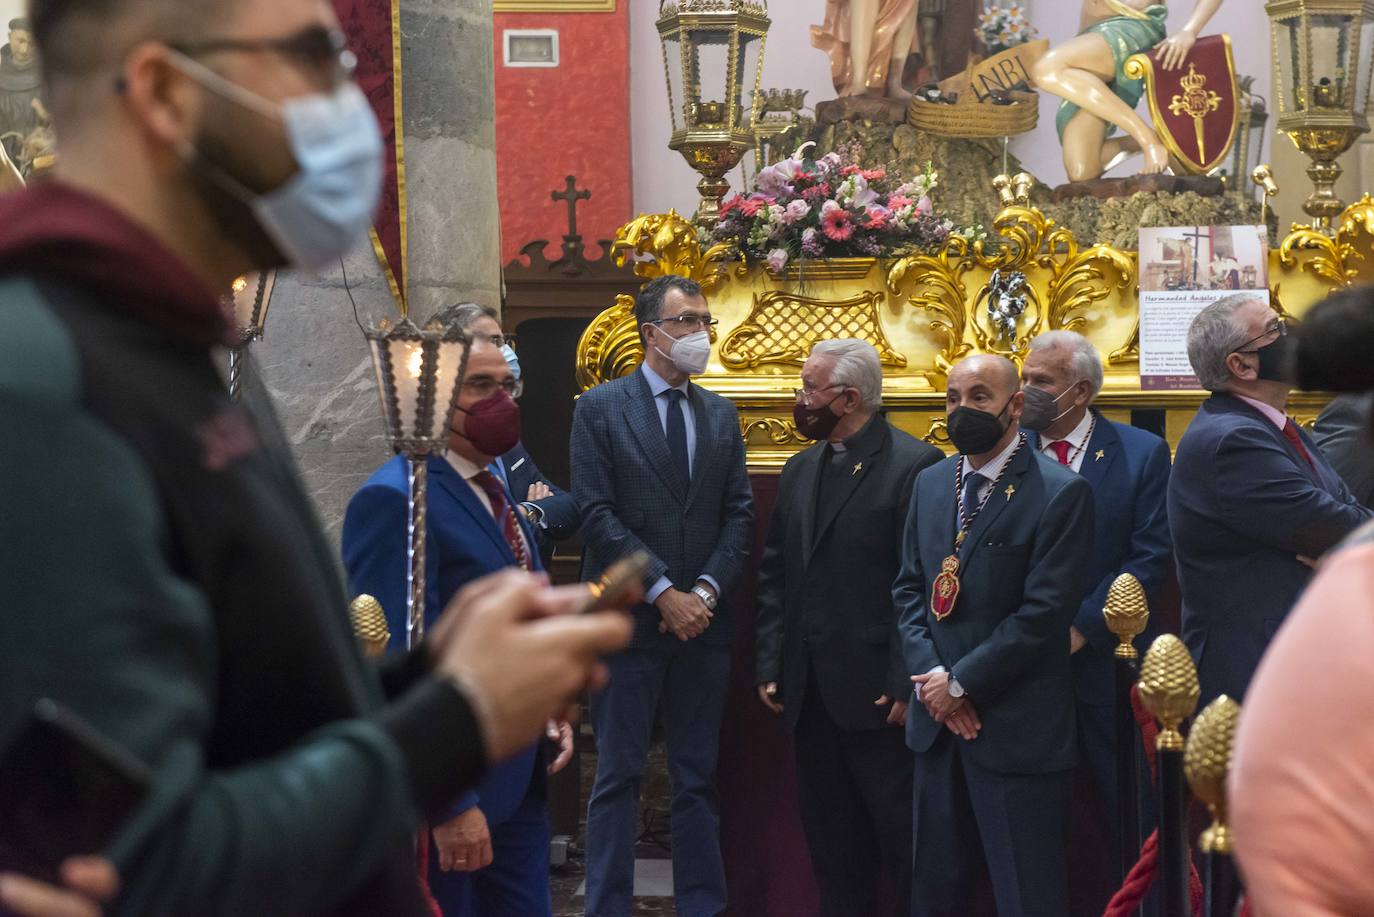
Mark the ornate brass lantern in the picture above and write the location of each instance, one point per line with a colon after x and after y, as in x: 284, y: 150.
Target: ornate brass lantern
x: 418, y: 376
x: 710, y: 49
x: 251, y: 296
x: 1248, y: 150
x: 1322, y: 54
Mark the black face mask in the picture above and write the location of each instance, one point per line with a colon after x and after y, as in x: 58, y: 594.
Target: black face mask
x: 1275, y: 359
x: 974, y: 432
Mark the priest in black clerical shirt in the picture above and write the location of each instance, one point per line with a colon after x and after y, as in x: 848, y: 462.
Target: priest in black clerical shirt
x: 828, y: 656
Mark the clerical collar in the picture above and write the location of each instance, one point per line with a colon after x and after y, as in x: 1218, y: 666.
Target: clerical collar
x: 857, y: 438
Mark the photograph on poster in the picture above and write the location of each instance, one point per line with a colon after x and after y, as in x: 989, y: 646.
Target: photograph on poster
x: 1182, y: 270
x: 25, y: 133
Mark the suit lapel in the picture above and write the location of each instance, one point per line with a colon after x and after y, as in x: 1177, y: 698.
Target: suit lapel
x: 999, y: 499
x: 1308, y: 467
x: 861, y: 462
x: 810, y: 468
x: 642, y: 416
x: 705, y: 441
x: 1101, y: 451
x: 442, y: 473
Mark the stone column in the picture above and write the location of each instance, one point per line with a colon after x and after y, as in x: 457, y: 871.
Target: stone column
x: 313, y: 359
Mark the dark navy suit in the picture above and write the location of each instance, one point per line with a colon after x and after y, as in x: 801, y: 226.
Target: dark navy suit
x: 632, y: 498
x: 1128, y: 470
x: 1243, y: 505
x: 561, y: 515
x: 463, y: 544
x: 1003, y: 796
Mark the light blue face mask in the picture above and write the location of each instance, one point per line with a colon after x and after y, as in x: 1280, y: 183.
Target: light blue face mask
x: 322, y: 210
x: 512, y: 360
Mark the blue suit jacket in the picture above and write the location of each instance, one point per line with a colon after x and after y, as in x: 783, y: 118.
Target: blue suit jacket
x: 623, y: 480
x: 463, y: 544
x: 1243, y: 505
x: 561, y: 515
x: 1128, y: 470
x: 1022, y: 580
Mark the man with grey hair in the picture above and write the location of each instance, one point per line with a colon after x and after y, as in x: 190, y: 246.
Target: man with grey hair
x: 1252, y: 502
x: 828, y: 656
x: 1128, y: 470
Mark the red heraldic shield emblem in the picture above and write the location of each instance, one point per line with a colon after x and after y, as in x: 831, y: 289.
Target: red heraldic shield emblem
x: 945, y: 590
x: 1194, y: 106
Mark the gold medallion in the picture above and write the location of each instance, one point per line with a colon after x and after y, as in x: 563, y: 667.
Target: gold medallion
x: 945, y: 592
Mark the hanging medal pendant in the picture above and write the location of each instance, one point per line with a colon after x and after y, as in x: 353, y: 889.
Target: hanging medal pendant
x: 945, y: 591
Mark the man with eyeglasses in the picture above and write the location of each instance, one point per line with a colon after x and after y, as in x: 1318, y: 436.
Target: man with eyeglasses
x: 658, y: 465
x: 490, y: 850
x: 552, y: 513
x: 1253, y: 504
x: 165, y: 577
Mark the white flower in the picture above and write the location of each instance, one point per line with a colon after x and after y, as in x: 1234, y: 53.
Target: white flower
x: 777, y: 260
x: 796, y: 212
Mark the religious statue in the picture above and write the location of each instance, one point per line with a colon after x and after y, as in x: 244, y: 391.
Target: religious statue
x: 868, y: 42
x: 1006, y: 303
x: 21, y: 111
x: 1086, y: 72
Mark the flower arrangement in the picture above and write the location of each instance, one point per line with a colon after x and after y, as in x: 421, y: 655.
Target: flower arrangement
x: 831, y: 207
x: 1000, y: 28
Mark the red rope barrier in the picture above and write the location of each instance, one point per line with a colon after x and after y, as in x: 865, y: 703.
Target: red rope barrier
x: 422, y: 871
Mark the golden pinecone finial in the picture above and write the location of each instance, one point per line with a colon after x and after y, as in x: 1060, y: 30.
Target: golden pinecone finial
x: 1127, y: 613
x: 369, y: 624
x: 1207, y: 763
x: 1169, y: 688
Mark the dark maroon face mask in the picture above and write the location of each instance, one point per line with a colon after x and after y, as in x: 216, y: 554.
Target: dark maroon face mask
x: 816, y: 422
x: 493, y: 424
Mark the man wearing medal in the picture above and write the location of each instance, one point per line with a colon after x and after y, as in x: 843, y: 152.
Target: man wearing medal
x: 992, y: 575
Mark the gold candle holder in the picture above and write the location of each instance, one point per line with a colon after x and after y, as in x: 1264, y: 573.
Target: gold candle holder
x: 1127, y: 613
x: 1207, y: 764
x: 1169, y: 688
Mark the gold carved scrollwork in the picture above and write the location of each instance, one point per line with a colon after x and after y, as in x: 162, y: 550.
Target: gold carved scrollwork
x: 1027, y: 241
x: 673, y: 245
x: 782, y: 327
x: 610, y: 347
x: 937, y: 434
x: 779, y: 432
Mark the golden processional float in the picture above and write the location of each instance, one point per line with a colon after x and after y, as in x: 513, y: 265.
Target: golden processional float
x: 925, y: 310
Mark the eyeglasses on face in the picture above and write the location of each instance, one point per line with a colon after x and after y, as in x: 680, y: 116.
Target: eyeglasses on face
x: 484, y: 387
x: 496, y: 340
x: 688, y: 321
x: 318, y: 51
x: 804, y: 395
x: 1277, y: 326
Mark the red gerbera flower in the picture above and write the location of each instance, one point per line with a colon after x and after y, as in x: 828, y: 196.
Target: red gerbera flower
x: 836, y: 226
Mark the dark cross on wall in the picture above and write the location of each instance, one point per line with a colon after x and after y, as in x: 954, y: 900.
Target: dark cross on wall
x: 573, y: 260
x: 1197, y: 236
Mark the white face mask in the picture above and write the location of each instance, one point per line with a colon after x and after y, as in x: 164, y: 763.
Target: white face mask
x: 322, y: 210
x: 689, y: 353
x: 512, y: 360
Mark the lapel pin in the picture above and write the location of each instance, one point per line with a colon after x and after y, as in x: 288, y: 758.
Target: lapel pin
x: 1011, y: 489
x: 1100, y: 454
x: 857, y: 468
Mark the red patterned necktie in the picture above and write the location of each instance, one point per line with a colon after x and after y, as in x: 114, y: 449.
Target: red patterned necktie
x: 504, y: 514
x: 1061, y: 449
x: 1290, y: 433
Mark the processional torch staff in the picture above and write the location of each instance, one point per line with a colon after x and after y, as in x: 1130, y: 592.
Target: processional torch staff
x: 1169, y: 690
x: 419, y: 372
x: 1127, y: 613
x: 1207, y: 764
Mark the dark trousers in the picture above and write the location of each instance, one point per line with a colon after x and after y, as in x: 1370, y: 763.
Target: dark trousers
x: 516, y: 882
x: 966, y: 816
x: 691, y: 678
x: 855, y: 790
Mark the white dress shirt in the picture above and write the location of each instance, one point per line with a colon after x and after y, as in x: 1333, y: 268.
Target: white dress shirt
x: 989, y: 471
x: 1077, y: 440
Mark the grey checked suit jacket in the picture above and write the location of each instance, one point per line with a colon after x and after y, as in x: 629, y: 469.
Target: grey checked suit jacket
x: 623, y: 480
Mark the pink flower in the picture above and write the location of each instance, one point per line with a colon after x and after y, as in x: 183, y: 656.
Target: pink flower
x: 796, y: 212
x: 777, y: 260
x: 876, y: 218
x: 850, y: 170
x: 731, y: 205
x: 924, y: 205
x: 874, y: 174
x: 897, y: 202
x: 752, y: 206
x: 835, y: 222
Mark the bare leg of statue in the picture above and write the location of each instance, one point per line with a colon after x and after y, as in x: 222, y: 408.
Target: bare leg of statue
x: 863, y: 16
x: 1078, y: 70
x: 901, y: 50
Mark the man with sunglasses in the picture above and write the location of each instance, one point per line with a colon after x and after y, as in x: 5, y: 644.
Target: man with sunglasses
x: 490, y: 850
x: 166, y: 578
x: 658, y: 466
x: 1253, y: 504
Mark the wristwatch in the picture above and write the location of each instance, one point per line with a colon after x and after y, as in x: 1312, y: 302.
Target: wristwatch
x: 955, y: 689
x: 534, y: 514
x: 705, y: 595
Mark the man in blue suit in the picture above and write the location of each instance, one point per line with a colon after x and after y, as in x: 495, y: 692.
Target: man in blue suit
x: 992, y: 576
x: 658, y: 465
x: 1252, y: 502
x: 552, y: 513
x: 490, y: 855
x: 1128, y: 470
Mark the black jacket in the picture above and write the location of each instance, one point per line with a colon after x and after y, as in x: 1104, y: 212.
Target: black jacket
x: 825, y: 608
